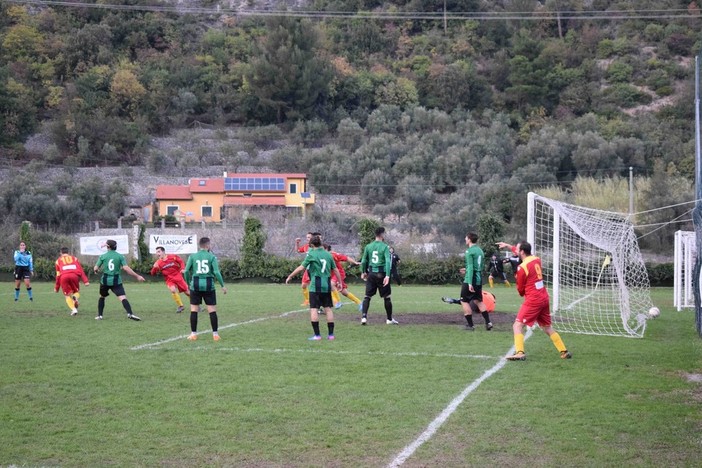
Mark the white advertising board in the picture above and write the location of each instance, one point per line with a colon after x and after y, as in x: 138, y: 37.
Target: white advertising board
x: 173, y: 243
x: 97, y: 245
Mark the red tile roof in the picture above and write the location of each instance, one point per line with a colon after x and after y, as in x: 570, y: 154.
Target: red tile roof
x: 173, y: 192
x: 211, y: 185
x: 255, y: 201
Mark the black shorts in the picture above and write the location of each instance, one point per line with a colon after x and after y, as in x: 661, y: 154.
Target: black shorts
x: 22, y: 272
x: 374, y: 283
x: 117, y: 290
x: 320, y: 299
x: 197, y: 297
x: 467, y: 296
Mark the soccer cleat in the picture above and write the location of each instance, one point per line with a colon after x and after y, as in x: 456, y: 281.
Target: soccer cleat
x: 99, y: 317
x: 566, y: 354
x: 314, y: 338
x: 74, y: 312
x: 16, y: 299
x: 215, y: 336
x: 488, y: 326
x: 331, y: 338
x: 391, y: 322
x: 364, y: 320
x: 180, y: 309
x: 469, y: 327
x: 450, y: 300
x: 306, y: 303
x: 518, y: 356
x: 75, y: 301
x: 338, y: 305
x: 133, y: 317
x: 192, y: 336
x: 322, y: 312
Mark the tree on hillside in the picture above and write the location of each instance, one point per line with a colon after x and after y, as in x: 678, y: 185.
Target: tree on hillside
x: 288, y: 77
x: 490, y: 231
x: 252, y: 245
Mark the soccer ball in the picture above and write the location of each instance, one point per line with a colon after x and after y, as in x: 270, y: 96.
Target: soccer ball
x: 654, y: 312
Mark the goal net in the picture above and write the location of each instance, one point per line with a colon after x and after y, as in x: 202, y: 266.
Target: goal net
x: 684, y: 263
x: 592, y: 263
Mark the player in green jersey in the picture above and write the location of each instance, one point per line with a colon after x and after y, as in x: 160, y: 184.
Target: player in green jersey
x: 375, y: 271
x: 112, y: 263
x: 319, y: 264
x: 201, y: 272
x: 472, y: 287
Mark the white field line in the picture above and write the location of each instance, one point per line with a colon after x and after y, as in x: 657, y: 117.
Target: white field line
x: 328, y: 351
x: 434, y: 426
x: 231, y: 325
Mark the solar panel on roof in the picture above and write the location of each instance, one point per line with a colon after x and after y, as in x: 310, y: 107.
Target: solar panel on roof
x: 254, y: 184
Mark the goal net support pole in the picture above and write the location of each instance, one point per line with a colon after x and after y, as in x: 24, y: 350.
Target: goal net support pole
x: 683, y: 266
x: 592, y: 263
x: 697, y: 211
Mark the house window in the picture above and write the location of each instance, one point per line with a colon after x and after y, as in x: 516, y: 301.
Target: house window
x: 201, y: 183
x: 293, y: 188
x: 171, y: 210
x: 206, y: 211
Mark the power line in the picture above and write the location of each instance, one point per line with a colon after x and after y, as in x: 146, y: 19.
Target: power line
x: 540, y: 15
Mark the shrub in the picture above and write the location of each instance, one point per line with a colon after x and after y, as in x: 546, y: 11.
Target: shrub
x: 625, y: 95
x: 619, y: 72
x: 661, y: 274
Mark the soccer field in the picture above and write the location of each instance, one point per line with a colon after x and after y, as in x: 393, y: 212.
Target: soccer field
x: 79, y: 392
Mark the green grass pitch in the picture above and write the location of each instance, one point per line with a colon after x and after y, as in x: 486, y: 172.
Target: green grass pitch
x: 79, y: 392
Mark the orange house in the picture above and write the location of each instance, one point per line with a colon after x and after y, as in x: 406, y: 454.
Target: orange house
x: 213, y: 199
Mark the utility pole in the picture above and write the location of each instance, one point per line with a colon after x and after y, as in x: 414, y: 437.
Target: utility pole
x: 445, y: 22
x: 631, y: 190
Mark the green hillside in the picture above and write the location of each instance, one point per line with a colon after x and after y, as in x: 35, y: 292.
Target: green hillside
x: 445, y: 108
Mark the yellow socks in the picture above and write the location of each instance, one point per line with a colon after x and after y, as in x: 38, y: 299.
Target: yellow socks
x: 177, y: 299
x: 306, y: 295
x: 335, y: 297
x: 492, y: 281
x: 519, y: 343
x: 507, y: 285
x: 353, y: 298
x: 69, y: 302
x: 558, y: 342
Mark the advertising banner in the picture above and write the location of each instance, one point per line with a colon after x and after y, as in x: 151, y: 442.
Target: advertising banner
x: 173, y: 243
x: 97, y: 245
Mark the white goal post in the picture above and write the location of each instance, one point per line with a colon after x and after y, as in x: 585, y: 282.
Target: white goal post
x: 592, y: 263
x: 684, y: 264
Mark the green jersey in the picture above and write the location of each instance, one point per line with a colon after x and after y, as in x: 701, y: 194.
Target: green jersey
x: 111, y: 263
x: 202, y: 270
x: 376, y: 258
x: 474, y: 265
x: 319, y: 264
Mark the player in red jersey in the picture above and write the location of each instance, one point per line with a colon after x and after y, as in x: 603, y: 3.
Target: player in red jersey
x: 300, y: 248
x: 341, y: 287
x: 171, y: 267
x: 69, y: 274
x: 535, y: 308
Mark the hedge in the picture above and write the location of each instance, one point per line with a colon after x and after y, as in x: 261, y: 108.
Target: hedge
x: 276, y: 269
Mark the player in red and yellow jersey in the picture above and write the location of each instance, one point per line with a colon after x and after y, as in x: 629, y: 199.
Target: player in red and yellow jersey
x: 300, y: 248
x: 536, y: 305
x: 171, y: 267
x: 341, y: 287
x: 69, y: 274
